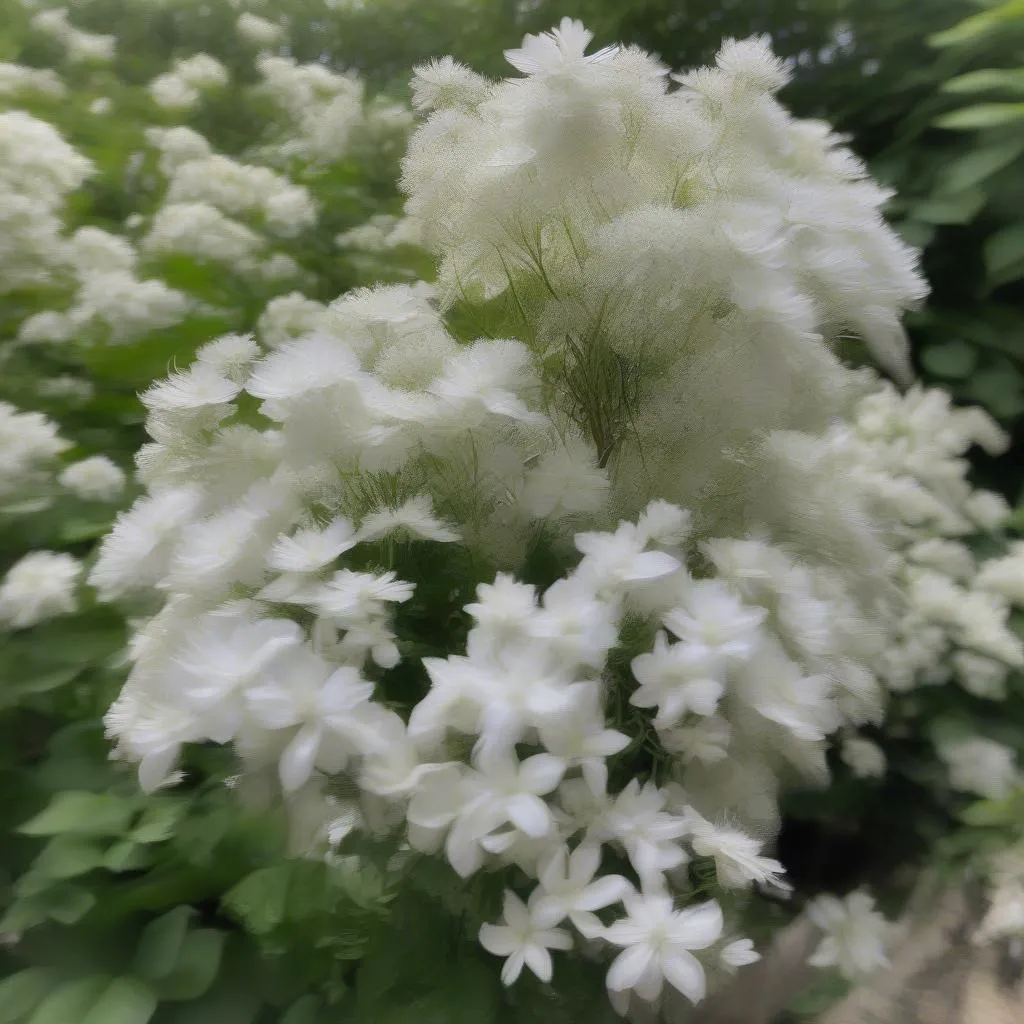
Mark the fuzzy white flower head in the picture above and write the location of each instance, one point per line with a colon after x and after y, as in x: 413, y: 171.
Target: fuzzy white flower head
x: 94, y: 479
x: 38, y: 587
x: 444, y: 84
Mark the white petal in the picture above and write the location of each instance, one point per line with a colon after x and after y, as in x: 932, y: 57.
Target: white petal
x: 538, y: 959
x: 698, y: 927
x: 513, y: 967
x: 603, y: 892
x: 684, y: 973
x: 497, y: 939
x: 541, y: 773
x: 298, y: 758
x: 529, y: 814
x: 650, y: 565
x: 628, y: 967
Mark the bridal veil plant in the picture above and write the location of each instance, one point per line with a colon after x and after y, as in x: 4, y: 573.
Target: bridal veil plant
x: 559, y: 572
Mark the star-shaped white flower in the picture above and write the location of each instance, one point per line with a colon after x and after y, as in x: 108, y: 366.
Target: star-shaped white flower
x: 569, y: 888
x: 657, y: 941
x: 524, y: 938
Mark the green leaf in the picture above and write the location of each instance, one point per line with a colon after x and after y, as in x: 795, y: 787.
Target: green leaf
x: 974, y: 167
x: 127, y: 856
x: 125, y: 1001
x: 70, y: 1003
x: 67, y: 856
x: 988, y: 78
x: 161, y: 942
x: 1004, y: 250
x: 999, y: 390
x: 96, y: 814
x: 978, y: 25
x: 69, y: 904
x: 198, y: 964
x: 261, y: 899
x: 982, y: 115
x: 953, y: 359
x: 950, y: 209
x: 158, y: 820
x: 20, y: 993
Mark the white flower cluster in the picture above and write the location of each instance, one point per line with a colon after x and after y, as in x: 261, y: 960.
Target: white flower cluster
x: 28, y: 442
x: 254, y: 29
x: 96, y: 478
x: 16, y: 80
x: 78, y: 45
x: 206, y: 191
x: 238, y: 188
x: 381, y: 233
x: 681, y: 254
x: 182, y: 86
x: 37, y: 171
x: 38, y: 587
x: 327, y: 111
x: 674, y: 266
x: 109, y: 297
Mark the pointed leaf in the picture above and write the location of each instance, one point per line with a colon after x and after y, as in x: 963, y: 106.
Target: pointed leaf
x: 198, y: 964
x: 82, y: 813
x: 161, y: 942
x: 21, y: 993
x: 982, y: 115
x: 125, y: 1001
x: 71, y: 1002
x: 261, y: 899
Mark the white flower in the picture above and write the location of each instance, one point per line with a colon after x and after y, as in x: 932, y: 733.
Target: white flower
x: 569, y: 888
x: 677, y: 679
x: 658, y: 940
x: 445, y: 84
x: 414, y: 518
x: 738, y: 953
x: 329, y: 709
x: 510, y: 793
x: 979, y: 765
x: 309, y: 550
x: 637, y: 819
x: 348, y: 597
x: 560, y: 48
x: 524, y: 938
x: 856, y: 935
x: 706, y: 741
x: 984, y: 677
x: 39, y: 586
x: 94, y: 479
x: 864, y: 758
x: 615, y: 560
x: 712, y: 616
x: 738, y: 863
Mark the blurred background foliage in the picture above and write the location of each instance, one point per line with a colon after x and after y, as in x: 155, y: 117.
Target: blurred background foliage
x: 185, y: 908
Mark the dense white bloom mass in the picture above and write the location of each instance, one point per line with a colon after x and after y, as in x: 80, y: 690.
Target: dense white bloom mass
x: 676, y: 528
